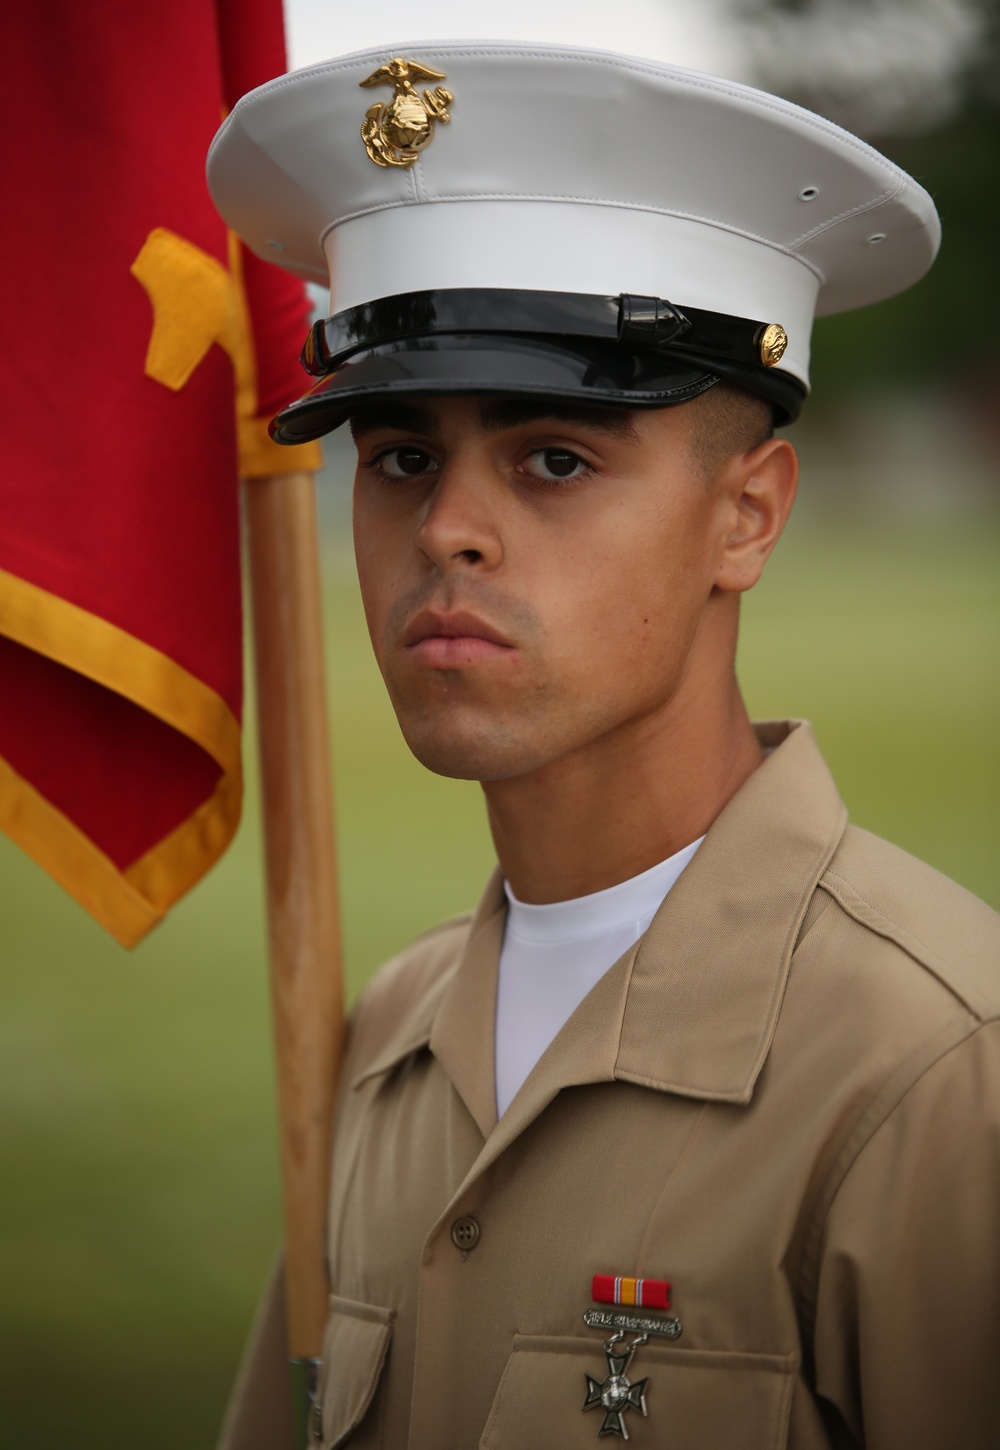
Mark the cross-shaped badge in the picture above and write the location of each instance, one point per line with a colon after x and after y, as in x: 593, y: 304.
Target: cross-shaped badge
x: 617, y: 1393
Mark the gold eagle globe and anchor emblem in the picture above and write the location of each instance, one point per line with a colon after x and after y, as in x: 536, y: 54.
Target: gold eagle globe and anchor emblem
x: 396, y: 131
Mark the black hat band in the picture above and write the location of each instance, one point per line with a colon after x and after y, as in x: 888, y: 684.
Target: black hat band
x: 693, y: 335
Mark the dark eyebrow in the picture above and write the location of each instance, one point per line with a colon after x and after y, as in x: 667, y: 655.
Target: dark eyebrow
x: 497, y: 414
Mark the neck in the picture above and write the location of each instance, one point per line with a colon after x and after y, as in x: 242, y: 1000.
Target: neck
x: 617, y: 806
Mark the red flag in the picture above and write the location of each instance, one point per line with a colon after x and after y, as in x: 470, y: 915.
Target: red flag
x: 129, y: 349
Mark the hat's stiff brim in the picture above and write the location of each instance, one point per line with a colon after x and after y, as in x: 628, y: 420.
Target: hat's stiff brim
x: 566, y: 370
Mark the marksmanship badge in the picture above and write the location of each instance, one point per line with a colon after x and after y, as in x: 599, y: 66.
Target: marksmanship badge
x: 616, y: 1394
x: 664, y: 1325
x: 396, y: 131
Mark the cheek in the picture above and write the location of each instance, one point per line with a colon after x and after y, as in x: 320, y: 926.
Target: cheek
x: 628, y: 607
x: 378, y: 550
x: 364, y: 558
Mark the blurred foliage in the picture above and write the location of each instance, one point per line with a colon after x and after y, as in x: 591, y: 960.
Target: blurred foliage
x: 945, y: 330
x: 876, y: 67
x: 929, y: 99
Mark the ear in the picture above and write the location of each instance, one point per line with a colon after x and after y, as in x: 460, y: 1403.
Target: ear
x: 759, y: 488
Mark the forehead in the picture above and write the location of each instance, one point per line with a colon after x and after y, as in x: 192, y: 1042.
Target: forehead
x: 430, y: 416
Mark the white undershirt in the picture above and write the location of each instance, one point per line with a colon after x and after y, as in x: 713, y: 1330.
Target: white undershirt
x: 553, y: 955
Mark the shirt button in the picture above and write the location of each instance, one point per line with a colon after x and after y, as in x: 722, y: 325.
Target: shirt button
x: 465, y: 1232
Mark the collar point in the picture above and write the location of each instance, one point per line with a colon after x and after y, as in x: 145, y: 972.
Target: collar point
x: 739, y: 1096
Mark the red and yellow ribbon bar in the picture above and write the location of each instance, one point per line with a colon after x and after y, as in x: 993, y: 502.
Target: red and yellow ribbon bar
x: 616, y: 1289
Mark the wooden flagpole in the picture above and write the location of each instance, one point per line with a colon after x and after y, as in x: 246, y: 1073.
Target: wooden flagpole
x: 302, y: 899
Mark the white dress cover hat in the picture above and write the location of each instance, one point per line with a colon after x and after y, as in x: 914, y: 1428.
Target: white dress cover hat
x: 571, y: 223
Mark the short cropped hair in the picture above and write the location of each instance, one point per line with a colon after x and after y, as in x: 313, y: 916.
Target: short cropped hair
x: 727, y: 419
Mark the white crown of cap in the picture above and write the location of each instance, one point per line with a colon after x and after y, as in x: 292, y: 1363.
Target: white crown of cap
x: 574, y: 170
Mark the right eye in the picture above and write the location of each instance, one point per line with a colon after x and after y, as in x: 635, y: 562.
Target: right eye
x: 405, y: 461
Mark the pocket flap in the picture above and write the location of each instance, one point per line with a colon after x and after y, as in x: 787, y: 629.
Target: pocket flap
x: 697, y: 1399
x: 355, y: 1345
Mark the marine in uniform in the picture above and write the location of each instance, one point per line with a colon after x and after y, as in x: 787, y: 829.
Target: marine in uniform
x: 688, y: 1134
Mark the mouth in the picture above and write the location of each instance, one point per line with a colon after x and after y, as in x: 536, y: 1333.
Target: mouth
x: 452, y: 641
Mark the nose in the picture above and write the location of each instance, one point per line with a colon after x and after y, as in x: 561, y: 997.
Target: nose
x: 460, y: 528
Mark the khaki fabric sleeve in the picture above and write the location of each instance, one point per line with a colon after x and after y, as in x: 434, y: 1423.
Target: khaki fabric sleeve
x: 259, y: 1414
x: 908, y: 1307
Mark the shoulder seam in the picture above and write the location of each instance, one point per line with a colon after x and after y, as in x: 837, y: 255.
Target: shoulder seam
x: 862, y: 911
x: 879, y: 1109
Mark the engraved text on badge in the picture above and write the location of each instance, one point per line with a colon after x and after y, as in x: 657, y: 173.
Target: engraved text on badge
x: 667, y: 1328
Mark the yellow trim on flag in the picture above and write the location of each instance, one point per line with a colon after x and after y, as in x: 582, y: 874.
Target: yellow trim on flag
x: 179, y: 861
x: 260, y: 456
x: 72, y: 859
x: 94, y: 647
x: 127, y: 903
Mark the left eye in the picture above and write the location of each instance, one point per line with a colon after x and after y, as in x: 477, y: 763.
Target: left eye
x: 408, y: 461
x: 555, y: 463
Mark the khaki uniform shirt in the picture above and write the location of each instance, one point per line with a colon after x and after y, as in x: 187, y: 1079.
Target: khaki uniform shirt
x: 784, y: 1100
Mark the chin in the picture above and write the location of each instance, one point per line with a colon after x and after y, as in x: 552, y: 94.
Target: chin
x: 483, y: 754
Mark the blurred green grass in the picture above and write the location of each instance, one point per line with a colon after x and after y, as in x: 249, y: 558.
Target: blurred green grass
x: 139, y: 1202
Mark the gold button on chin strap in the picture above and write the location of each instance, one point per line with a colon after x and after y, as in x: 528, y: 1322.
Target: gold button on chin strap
x: 772, y: 342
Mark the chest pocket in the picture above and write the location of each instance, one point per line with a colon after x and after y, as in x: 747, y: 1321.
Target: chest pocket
x: 695, y: 1399
x: 355, y: 1344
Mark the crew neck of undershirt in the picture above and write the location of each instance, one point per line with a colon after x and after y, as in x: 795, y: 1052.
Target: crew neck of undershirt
x: 615, y: 908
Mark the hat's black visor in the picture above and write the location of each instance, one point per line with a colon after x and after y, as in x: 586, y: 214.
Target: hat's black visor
x: 613, y: 369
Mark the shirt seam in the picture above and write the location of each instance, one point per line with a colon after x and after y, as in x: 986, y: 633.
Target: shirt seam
x: 866, y: 914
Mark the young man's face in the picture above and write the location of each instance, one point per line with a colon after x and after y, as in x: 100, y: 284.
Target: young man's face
x: 534, y: 577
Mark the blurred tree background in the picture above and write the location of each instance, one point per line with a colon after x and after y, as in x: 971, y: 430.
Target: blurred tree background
x: 139, y: 1202
x: 920, y: 80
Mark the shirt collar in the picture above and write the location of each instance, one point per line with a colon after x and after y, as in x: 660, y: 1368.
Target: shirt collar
x: 693, y: 1007
x: 710, y: 973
